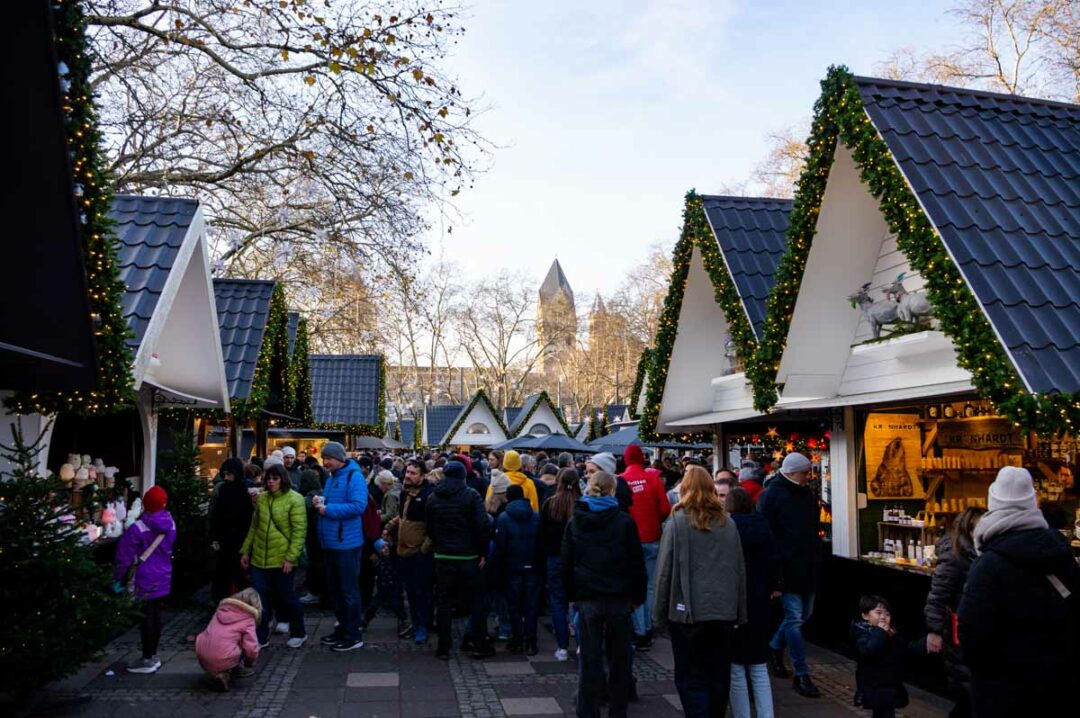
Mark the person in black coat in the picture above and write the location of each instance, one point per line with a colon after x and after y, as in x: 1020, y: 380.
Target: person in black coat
x: 603, y: 571
x: 459, y: 529
x: 516, y: 565
x: 229, y: 524
x: 1020, y: 611
x: 791, y: 509
x: 955, y: 553
x: 750, y: 647
x: 880, y: 658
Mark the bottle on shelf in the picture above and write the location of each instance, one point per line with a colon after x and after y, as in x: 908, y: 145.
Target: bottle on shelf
x: 911, y: 550
x: 919, y: 553
x: 898, y: 549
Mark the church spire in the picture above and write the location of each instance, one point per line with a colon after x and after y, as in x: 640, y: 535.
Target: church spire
x: 556, y: 282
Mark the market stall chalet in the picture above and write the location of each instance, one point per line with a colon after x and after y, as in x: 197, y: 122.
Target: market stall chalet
x: 478, y: 424
x: 169, y: 308
x: 930, y: 299
x: 437, y: 420
x: 403, y: 430
x: 538, y: 416
x: 348, y: 401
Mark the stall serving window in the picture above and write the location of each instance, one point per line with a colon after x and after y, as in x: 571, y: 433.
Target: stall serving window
x: 921, y: 464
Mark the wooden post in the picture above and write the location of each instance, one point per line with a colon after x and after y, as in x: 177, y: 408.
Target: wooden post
x: 148, y: 420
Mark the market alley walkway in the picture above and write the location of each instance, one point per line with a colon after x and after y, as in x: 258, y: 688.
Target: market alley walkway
x: 389, y: 678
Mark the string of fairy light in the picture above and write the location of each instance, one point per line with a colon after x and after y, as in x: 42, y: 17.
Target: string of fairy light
x: 93, y: 195
x: 300, y: 372
x: 696, y: 232
x: 839, y: 113
x: 479, y: 396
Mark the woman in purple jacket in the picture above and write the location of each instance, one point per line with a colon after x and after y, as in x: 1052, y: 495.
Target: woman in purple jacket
x: 153, y: 577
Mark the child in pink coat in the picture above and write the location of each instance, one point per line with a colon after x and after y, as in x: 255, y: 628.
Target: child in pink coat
x: 228, y: 647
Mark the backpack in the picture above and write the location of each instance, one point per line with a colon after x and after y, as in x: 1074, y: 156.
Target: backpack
x: 371, y: 520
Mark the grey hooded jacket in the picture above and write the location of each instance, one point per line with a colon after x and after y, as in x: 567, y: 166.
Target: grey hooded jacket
x: 700, y: 575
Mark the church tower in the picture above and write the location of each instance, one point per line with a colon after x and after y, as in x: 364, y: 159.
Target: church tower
x: 556, y: 319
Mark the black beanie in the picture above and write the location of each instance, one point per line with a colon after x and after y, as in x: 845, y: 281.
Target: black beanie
x: 514, y: 492
x: 454, y: 470
x: 232, y: 466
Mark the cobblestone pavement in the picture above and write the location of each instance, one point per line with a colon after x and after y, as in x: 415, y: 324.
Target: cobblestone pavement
x: 389, y: 678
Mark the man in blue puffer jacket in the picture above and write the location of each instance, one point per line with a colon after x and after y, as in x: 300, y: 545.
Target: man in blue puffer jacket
x: 341, y: 533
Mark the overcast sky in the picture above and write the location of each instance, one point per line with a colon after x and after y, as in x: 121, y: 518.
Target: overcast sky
x: 606, y: 112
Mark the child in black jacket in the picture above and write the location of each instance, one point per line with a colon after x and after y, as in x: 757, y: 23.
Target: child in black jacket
x: 879, y: 672
x: 388, y: 587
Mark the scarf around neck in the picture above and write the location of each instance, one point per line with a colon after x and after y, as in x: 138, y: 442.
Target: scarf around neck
x: 1000, y: 521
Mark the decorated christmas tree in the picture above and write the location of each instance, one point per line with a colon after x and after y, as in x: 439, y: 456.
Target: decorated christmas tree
x: 58, y: 602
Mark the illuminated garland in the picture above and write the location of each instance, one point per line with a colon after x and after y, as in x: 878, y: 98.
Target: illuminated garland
x: 643, y: 364
x: 542, y: 397
x: 377, y: 429
x: 696, y: 232
x: 113, y: 382
x: 275, y: 340
x: 772, y: 442
x: 479, y: 396
x: 839, y: 112
x: 300, y: 373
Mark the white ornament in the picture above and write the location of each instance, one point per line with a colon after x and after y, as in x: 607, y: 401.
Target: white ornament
x: 133, y: 513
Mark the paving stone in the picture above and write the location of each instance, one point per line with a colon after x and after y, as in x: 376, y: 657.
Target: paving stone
x: 372, y: 694
x: 430, y: 709
x: 509, y: 669
x: 372, y: 680
x: 673, y: 699
x: 313, y: 710
x: 535, y: 706
x: 548, y: 668
x: 374, y: 709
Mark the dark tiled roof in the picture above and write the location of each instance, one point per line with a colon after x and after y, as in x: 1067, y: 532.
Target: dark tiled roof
x: 750, y: 232
x: 510, y: 415
x: 243, y: 308
x: 615, y: 412
x: 439, y: 421
x: 345, y: 388
x: 519, y: 416
x: 408, y: 430
x: 151, y: 230
x: 999, y: 177
x: 293, y: 323
x: 554, y: 281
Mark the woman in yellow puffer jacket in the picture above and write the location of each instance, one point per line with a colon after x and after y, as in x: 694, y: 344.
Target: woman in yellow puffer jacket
x: 272, y: 550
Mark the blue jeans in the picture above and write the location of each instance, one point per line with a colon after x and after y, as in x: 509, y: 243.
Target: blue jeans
x: 276, y: 591
x: 759, y: 683
x: 522, y: 596
x: 418, y: 575
x: 343, y: 587
x: 643, y: 613
x: 797, y: 610
x: 559, y: 607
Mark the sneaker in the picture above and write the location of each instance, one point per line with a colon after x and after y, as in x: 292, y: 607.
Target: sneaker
x: 407, y: 632
x: 330, y: 639
x: 282, y: 628
x: 503, y: 636
x: 776, y: 664
x: 264, y: 644
x: 531, y: 650
x: 146, y: 665
x: 421, y: 636
x: 561, y: 654
x: 243, y: 671
x: 805, y: 687
x: 221, y: 682
x: 309, y: 598
x: 346, y: 646
x: 296, y: 642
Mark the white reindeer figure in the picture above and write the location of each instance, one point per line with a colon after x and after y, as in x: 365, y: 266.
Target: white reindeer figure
x: 911, y: 307
x: 877, y: 314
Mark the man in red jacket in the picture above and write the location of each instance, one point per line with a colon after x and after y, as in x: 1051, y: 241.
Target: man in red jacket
x: 649, y: 510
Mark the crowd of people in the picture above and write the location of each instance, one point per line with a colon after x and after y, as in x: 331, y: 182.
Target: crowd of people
x: 614, y: 548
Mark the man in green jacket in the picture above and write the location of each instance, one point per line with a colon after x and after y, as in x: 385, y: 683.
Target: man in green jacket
x: 272, y: 550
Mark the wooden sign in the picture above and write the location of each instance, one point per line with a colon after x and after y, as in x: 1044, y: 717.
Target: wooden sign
x: 979, y: 433
x: 893, y: 443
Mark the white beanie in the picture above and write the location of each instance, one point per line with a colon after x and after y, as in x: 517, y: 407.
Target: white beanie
x: 288, y: 451
x: 605, y: 461
x: 500, y: 482
x: 794, y: 463
x: 272, y: 460
x: 1012, y: 489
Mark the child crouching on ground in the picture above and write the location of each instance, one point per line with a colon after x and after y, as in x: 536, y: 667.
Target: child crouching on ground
x: 228, y: 648
x: 387, y: 587
x: 879, y: 672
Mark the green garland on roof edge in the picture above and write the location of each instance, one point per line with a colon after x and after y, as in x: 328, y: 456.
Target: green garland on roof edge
x: 696, y: 231
x: 113, y: 383
x: 378, y: 429
x: 300, y: 370
x: 479, y: 396
x: 275, y: 332
x: 839, y: 112
x: 536, y: 405
x: 643, y: 364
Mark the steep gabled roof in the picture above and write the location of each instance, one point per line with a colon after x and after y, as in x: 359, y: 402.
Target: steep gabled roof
x: 510, y: 414
x: 462, y: 416
x: 243, y: 308
x: 529, y: 407
x: 151, y: 231
x: 345, y: 388
x: 750, y: 233
x: 554, y: 282
x: 408, y: 430
x: 439, y: 420
x: 614, y: 412
x: 999, y: 178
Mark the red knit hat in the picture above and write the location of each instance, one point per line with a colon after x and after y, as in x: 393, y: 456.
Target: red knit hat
x: 633, y: 455
x: 154, y: 499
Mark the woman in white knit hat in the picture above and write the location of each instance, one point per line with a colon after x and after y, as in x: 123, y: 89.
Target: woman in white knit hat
x: 1019, y: 618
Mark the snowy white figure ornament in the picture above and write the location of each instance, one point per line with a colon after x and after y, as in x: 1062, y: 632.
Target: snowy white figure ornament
x: 912, y: 307
x: 877, y: 314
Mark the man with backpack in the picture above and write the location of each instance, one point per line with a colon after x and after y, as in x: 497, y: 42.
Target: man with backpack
x: 341, y: 533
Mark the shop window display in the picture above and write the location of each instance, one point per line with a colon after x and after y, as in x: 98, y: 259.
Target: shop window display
x: 920, y: 465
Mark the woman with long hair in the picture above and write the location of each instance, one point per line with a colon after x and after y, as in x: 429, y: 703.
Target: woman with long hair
x: 700, y: 594
x: 955, y: 552
x: 554, y: 515
x: 272, y: 550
